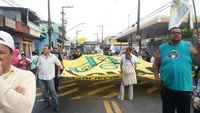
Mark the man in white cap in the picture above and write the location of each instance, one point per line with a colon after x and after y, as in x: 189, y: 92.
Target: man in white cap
x: 17, y: 87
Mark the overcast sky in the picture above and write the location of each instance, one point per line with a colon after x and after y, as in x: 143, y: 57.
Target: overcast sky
x: 113, y: 14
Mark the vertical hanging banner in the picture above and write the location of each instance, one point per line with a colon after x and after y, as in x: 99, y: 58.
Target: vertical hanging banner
x: 191, y: 18
x: 179, y: 10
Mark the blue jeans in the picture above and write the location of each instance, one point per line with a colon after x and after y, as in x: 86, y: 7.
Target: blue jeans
x: 48, y: 90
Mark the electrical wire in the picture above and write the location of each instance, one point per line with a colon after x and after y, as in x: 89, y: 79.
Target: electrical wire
x: 8, y: 2
x: 159, y: 10
x: 15, y: 3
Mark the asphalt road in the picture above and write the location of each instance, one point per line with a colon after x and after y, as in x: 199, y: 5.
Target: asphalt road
x: 101, y: 97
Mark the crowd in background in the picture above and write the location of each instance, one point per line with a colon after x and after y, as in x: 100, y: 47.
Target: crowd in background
x: 21, y: 61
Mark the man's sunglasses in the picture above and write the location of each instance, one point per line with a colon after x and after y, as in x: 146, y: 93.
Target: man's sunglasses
x: 176, y: 33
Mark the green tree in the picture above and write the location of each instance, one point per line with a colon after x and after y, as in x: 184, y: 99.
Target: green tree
x: 186, y: 31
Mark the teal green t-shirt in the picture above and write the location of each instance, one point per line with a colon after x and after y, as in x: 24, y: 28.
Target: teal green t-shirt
x: 34, y: 61
x: 176, y: 66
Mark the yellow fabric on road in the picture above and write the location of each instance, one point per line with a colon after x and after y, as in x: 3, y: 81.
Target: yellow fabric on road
x: 98, y: 66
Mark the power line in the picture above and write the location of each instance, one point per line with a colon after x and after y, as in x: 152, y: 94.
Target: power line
x: 8, y: 2
x: 160, y: 9
x: 14, y: 2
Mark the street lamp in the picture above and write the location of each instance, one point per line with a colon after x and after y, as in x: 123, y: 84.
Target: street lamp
x: 63, y: 25
x: 77, y: 33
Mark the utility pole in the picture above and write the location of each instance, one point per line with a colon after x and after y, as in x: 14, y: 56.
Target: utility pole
x: 101, y: 26
x: 196, y: 21
x: 138, y: 35
x: 129, y: 21
x: 97, y: 38
x: 102, y: 35
x: 49, y: 24
x: 77, y: 33
x: 63, y: 26
x: 63, y: 29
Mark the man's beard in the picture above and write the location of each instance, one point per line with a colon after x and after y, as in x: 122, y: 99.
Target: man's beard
x: 175, y: 40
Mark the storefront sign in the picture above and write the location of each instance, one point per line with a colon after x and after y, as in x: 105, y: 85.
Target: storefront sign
x: 21, y: 27
x: 10, y: 23
x: 34, y: 30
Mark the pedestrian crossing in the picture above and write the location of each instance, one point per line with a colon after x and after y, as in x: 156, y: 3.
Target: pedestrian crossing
x: 100, y: 82
x: 93, y: 92
x: 76, y: 97
x: 108, y: 107
x: 66, y: 86
x: 111, y: 95
x: 107, y: 90
x: 116, y: 107
x: 67, y: 81
x: 68, y: 92
x: 101, y: 94
x: 76, y: 90
x: 111, y: 106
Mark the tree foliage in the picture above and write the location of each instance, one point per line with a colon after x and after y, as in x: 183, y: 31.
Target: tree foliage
x: 187, y: 32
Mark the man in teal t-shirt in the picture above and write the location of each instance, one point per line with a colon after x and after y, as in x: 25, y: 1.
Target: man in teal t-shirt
x: 173, y: 72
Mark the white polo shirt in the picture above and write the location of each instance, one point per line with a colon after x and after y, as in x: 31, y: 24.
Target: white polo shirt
x: 46, y: 66
x: 12, y: 101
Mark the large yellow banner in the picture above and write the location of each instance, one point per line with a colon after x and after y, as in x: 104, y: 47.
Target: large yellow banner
x: 100, y: 67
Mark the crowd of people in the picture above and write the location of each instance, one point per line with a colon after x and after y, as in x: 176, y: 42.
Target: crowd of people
x: 20, y: 60
x: 172, y: 67
x: 17, y: 86
x: 18, y: 75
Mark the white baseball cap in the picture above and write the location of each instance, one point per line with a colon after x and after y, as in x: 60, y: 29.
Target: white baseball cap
x: 7, y: 40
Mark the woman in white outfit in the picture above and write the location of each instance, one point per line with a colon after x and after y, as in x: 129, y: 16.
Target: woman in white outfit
x: 127, y: 65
